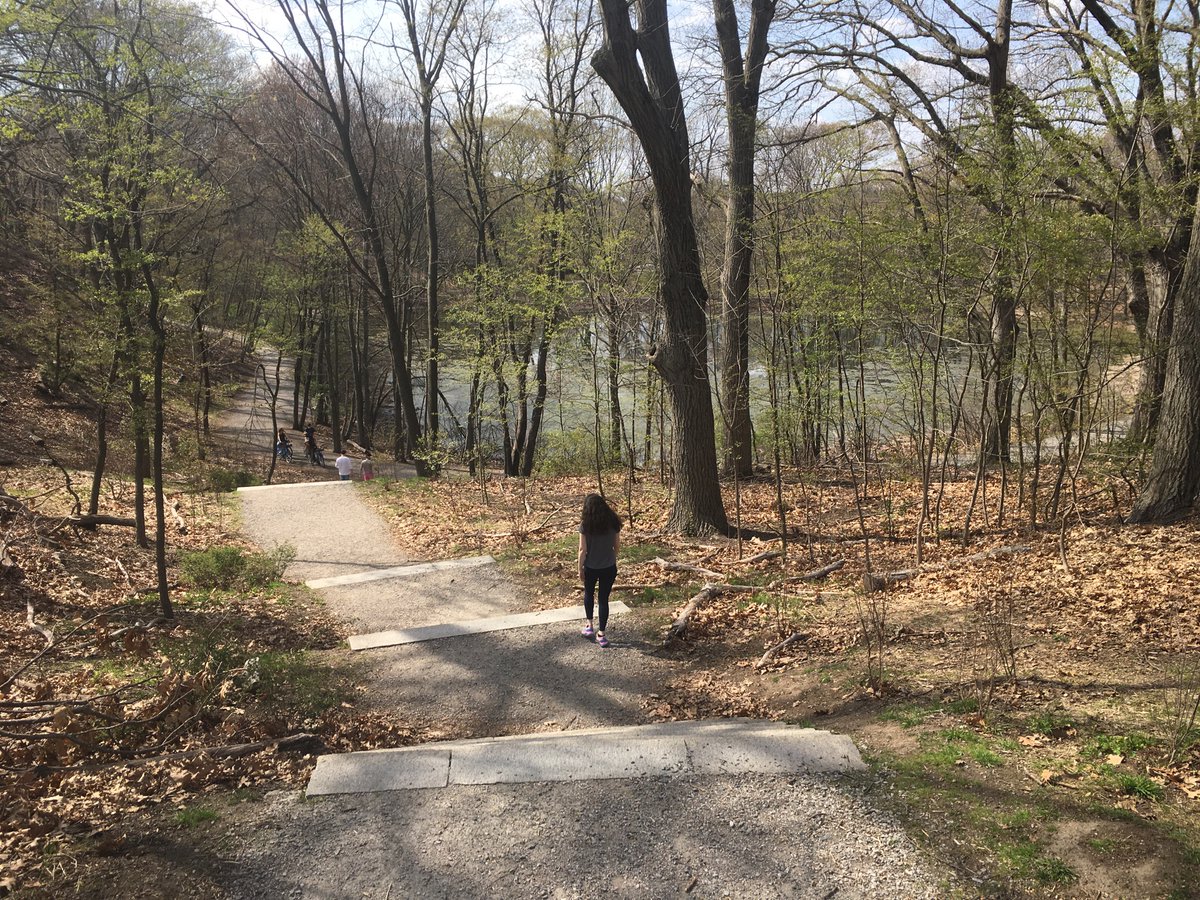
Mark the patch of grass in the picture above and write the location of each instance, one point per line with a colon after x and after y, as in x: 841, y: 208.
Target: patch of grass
x: 1025, y: 860
x: 204, y: 649
x: 1102, y: 845
x: 961, y: 736
x: 985, y: 756
x: 1017, y: 819
x: 963, y: 706
x: 1052, y: 870
x: 122, y: 668
x: 908, y: 715
x: 940, y: 758
x: 297, y: 683
x: 195, y: 815
x: 1049, y: 724
x: 671, y: 596
x: 1119, y: 744
x: 640, y: 553
x: 1114, y: 813
x: 1136, y: 785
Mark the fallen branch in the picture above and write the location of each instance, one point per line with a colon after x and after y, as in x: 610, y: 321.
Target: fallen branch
x: 759, y: 557
x: 180, y: 525
x: 769, y: 656
x: 45, y: 632
x: 708, y: 592
x: 684, y: 567
x: 818, y: 574
x: 294, y: 743
x: 139, y: 626
x: 878, y: 581
x: 521, y: 532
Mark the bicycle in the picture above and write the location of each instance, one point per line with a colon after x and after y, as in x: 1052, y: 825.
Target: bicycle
x: 283, y: 451
x: 315, y: 456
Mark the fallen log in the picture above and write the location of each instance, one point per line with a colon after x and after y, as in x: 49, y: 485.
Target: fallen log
x: 769, y: 656
x: 823, y: 572
x: 759, y: 557
x: 708, y: 592
x: 878, y: 581
x: 684, y: 567
x: 87, y: 521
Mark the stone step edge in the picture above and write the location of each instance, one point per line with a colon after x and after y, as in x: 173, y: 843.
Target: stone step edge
x: 418, y: 634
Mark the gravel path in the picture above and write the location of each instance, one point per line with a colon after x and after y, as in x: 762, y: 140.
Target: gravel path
x: 511, y: 682
x: 739, y: 837
x: 333, y: 531
x: 748, y: 837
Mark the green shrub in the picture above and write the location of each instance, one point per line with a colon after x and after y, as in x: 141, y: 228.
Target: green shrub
x: 217, y: 567
x: 229, y: 567
x: 261, y: 569
x: 568, y: 453
x: 224, y: 481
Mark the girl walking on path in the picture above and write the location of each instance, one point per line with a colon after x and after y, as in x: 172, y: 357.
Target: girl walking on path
x: 599, y: 543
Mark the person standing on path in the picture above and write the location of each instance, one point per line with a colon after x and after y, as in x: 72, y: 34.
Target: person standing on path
x: 344, y: 465
x: 599, y: 543
x: 366, y: 467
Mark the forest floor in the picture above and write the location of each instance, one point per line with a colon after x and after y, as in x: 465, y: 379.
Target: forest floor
x: 1031, y: 715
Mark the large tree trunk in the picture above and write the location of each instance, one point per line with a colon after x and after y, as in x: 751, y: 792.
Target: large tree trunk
x: 102, y: 432
x: 1001, y: 365
x: 154, y: 316
x: 431, y: 272
x: 654, y: 105
x: 1150, y: 289
x: 742, y: 79
x: 1174, y: 480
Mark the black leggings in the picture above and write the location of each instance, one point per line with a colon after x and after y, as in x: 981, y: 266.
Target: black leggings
x: 606, y: 577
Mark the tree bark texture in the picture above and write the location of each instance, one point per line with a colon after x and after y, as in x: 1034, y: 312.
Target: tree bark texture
x: 1150, y: 289
x: 653, y: 102
x: 1174, y: 480
x: 742, y: 77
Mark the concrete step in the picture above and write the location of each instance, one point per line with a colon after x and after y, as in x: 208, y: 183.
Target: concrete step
x: 712, y: 747
x: 473, y: 626
x: 408, y: 570
x: 290, y: 486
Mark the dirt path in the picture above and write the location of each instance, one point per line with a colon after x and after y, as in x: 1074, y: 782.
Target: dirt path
x: 744, y: 836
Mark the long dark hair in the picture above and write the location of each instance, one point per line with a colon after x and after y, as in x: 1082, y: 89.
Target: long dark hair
x: 598, y: 517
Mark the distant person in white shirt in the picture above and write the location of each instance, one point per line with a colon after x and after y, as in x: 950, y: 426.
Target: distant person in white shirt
x: 344, y: 465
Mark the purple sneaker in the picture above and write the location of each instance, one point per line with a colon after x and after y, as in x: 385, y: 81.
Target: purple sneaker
x: 587, y: 631
x: 601, y: 641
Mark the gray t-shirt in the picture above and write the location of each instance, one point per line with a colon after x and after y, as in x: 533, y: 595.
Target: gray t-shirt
x: 601, y: 550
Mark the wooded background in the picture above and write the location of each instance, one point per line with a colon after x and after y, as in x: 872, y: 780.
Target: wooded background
x: 691, y: 241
